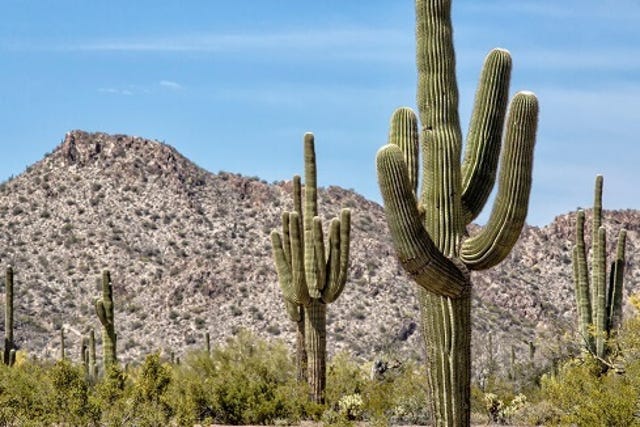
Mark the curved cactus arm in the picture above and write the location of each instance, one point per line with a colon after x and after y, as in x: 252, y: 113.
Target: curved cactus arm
x: 416, y: 251
x: 403, y: 132
x: 286, y: 238
x: 615, y: 294
x: 319, y: 255
x: 338, y: 262
x: 485, y: 133
x: 290, y: 275
x: 496, y: 239
x: 293, y: 310
x: 102, y: 313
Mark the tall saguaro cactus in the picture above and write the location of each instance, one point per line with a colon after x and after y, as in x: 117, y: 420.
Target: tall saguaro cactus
x: 8, y: 317
x: 311, y: 274
x: 599, y: 302
x: 104, y: 310
x: 429, y: 232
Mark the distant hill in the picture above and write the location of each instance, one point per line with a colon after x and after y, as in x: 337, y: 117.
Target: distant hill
x: 189, y: 252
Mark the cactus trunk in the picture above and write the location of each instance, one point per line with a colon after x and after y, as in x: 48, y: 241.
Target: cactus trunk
x: 8, y: 317
x: 301, y: 348
x: 429, y: 232
x: 104, y: 310
x: 316, y: 348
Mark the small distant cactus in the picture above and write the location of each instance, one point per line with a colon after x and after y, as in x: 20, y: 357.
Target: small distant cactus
x: 599, y: 302
x: 91, y: 356
x: 310, y: 274
x: 62, y: 349
x: 207, y: 343
x: 104, y: 310
x: 8, y: 318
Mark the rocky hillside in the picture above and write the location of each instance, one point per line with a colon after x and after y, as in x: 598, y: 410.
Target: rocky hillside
x: 189, y: 253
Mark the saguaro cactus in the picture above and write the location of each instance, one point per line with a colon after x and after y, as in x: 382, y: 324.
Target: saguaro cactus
x: 429, y: 233
x: 599, y: 303
x: 309, y: 274
x: 104, y: 310
x: 8, y: 317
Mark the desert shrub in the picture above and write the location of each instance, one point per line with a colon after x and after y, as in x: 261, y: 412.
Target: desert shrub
x: 70, y: 395
x: 24, y: 394
x: 584, y: 397
x: 248, y: 381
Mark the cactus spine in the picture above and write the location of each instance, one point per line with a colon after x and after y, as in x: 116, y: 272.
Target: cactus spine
x: 429, y: 233
x: 310, y: 274
x: 104, y: 310
x: 599, y: 303
x: 8, y: 317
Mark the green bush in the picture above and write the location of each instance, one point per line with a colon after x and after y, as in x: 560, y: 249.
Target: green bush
x: 249, y: 381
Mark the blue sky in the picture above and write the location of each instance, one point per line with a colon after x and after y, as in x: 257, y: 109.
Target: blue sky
x: 234, y: 85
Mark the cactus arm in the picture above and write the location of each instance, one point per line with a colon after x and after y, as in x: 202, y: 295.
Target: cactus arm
x: 338, y: 262
x: 290, y: 275
x: 403, y: 132
x: 485, y: 133
x: 416, y: 251
x: 286, y: 238
x: 614, y: 305
x: 319, y: 255
x: 293, y: 310
x: 581, y: 280
x: 496, y: 239
x: 100, y: 311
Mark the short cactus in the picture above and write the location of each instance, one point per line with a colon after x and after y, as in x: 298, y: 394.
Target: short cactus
x: 8, y: 317
x: 91, y: 356
x: 310, y: 274
x: 104, y: 310
x: 599, y: 302
x: 62, y: 349
x: 429, y: 232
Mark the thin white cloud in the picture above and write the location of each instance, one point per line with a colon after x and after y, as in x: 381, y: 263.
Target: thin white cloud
x: 355, y: 44
x: 115, y: 91
x: 168, y: 84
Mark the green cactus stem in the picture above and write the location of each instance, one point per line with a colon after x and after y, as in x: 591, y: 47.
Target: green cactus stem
x: 8, y: 316
x: 62, y: 349
x: 91, y: 355
x: 104, y: 310
x: 599, y: 301
x: 207, y: 343
x: 429, y: 230
x: 311, y: 275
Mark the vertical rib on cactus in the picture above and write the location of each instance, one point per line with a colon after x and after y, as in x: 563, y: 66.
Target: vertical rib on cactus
x: 429, y: 233
x: 599, y: 302
x: 8, y: 316
x: 310, y: 273
x: 104, y: 310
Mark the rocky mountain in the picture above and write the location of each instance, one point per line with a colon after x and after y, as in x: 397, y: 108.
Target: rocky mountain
x: 189, y: 252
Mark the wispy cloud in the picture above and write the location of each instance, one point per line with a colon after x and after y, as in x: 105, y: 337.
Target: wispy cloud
x: 358, y: 44
x: 168, y: 84
x: 115, y: 91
